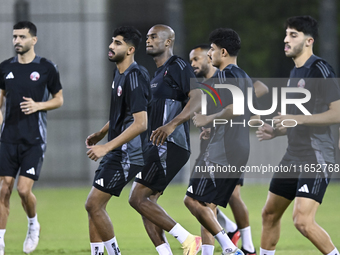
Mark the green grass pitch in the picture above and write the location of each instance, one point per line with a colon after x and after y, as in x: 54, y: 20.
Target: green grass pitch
x: 64, y: 227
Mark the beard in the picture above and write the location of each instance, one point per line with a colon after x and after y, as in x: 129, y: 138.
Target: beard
x: 295, y: 51
x: 203, y: 72
x: 21, y: 49
x: 117, y: 57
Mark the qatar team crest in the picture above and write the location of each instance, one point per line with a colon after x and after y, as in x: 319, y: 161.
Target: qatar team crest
x: 34, y: 76
x: 119, y: 91
x: 301, y: 83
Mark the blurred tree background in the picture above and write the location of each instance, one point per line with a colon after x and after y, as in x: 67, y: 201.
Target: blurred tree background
x: 260, y: 25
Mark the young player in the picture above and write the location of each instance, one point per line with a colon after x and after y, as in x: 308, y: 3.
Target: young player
x: 206, y: 190
x: 309, y: 142
x: 202, y: 67
x: 126, y: 129
x: 26, y: 81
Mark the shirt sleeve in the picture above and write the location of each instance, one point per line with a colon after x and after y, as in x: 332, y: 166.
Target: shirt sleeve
x: 2, y: 78
x: 138, y: 94
x: 328, y: 85
x: 225, y: 95
x: 181, y: 73
x: 53, y: 84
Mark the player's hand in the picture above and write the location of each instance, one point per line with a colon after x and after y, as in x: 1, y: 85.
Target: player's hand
x: 159, y: 135
x: 266, y: 132
x: 205, y: 134
x: 285, y: 121
x: 200, y: 120
x: 97, y: 151
x: 94, y: 138
x: 29, y: 106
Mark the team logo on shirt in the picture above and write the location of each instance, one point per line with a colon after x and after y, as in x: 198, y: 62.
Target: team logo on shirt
x: 301, y: 83
x: 119, y: 91
x: 34, y: 76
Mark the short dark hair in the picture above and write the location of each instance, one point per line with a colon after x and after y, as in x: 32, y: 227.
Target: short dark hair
x: 203, y: 46
x: 32, y: 29
x: 305, y: 24
x: 130, y: 35
x: 226, y: 38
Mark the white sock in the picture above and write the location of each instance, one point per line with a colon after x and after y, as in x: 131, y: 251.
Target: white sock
x: 225, y: 222
x: 247, y: 242
x: 97, y: 248
x: 224, y: 241
x: 179, y: 233
x: 164, y: 249
x: 266, y: 252
x: 2, y: 237
x: 208, y: 249
x: 33, y: 222
x: 112, y: 247
x: 334, y: 252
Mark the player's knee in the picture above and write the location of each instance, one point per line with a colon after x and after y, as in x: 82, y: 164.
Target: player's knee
x: 135, y: 202
x: 302, y: 224
x: 23, y: 191
x: 90, y: 205
x: 5, y: 192
x: 268, y: 215
x: 189, y: 202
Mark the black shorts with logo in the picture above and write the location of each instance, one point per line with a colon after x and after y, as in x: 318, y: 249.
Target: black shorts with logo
x: 22, y: 158
x: 163, y: 162
x: 307, y: 178
x: 112, y: 175
x: 205, y: 187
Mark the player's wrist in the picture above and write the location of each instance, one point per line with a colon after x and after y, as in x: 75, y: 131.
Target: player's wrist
x: 302, y: 119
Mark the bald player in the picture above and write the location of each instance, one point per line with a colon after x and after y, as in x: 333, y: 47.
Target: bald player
x: 169, y: 147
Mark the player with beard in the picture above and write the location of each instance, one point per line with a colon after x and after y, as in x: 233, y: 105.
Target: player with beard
x: 203, y: 67
x: 229, y: 146
x: 26, y: 81
x: 310, y: 142
x: 169, y: 132
x: 127, y: 136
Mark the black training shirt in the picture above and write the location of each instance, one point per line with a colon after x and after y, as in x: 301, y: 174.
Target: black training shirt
x: 36, y: 80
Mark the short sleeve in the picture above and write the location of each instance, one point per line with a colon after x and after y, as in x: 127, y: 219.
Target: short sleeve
x: 2, y: 78
x: 181, y: 72
x: 54, y: 85
x: 227, y: 78
x: 326, y: 81
x: 137, y: 97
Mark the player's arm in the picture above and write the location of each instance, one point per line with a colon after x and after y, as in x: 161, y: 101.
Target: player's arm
x: 2, y: 98
x: 200, y: 120
x: 138, y: 126
x: 260, y: 88
x: 159, y: 135
x: 329, y: 117
x: 94, y: 138
x: 29, y: 106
